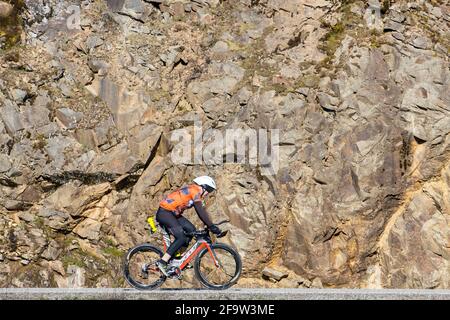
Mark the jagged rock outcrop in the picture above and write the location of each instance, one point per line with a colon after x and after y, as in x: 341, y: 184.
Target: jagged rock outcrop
x: 92, y: 98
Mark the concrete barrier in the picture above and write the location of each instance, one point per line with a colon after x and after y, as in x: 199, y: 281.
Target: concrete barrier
x: 231, y: 294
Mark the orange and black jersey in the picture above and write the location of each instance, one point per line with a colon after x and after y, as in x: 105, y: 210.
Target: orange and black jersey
x: 184, y: 198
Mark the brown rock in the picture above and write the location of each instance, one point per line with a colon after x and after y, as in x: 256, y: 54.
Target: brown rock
x: 57, y: 266
x: 5, y: 9
x: 89, y: 229
x: 274, y: 274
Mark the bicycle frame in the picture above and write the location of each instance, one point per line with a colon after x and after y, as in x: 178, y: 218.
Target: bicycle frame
x: 186, y: 257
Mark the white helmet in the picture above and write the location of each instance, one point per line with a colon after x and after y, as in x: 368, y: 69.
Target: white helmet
x: 206, y: 182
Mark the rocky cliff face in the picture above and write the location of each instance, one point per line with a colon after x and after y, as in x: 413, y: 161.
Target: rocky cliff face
x: 92, y: 91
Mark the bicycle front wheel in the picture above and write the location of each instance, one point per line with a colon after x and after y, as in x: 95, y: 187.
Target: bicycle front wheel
x: 222, y: 275
x: 140, y: 268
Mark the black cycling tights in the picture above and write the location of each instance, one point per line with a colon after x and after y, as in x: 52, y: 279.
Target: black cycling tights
x: 177, y: 226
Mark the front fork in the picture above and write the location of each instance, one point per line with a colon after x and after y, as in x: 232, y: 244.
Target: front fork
x: 213, y: 256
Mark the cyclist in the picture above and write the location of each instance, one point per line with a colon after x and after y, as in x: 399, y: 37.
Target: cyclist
x: 170, y: 213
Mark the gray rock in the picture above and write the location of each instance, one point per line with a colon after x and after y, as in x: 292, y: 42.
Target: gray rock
x: 397, y: 16
x: 18, y: 95
x: 440, y: 48
x: 143, y: 139
x: 37, y: 116
x: 11, y: 118
x: 26, y: 216
x: 116, y: 160
x: 145, y: 187
x: 437, y: 12
x: 55, y: 147
x: 68, y: 117
x: 115, y: 5
x: 52, y: 252
x: 42, y: 100
x: 213, y: 106
x: 93, y: 42
x: 76, y: 277
x: 16, y: 205
x: 221, y: 85
x: 65, y: 89
x: 81, y: 46
x: 38, y: 11
x: 421, y: 43
x: 393, y: 26
x: 82, y: 162
x: 303, y: 91
x: 134, y: 9
x: 136, y: 70
x: 99, y: 66
x: 399, y: 36
x: 328, y: 102
x: 314, y: 122
x: 103, y: 131
x: 49, y: 130
x: 207, y: 3
x: 172, y: 56
x: 220, y: 47
x: 86, y: 137
x: 446, y: 13
x: 127, y: 107
x: 377, y: 68
x: 55, y: 219
x: 243, y: 96
x: 25, y: 262
x: 5, y: 163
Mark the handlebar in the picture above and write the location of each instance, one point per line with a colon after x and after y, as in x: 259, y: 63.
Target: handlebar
x: 205, y: 231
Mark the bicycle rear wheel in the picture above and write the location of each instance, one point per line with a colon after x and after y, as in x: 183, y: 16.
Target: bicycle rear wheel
x: 140, y: 268
x: 225, y: 274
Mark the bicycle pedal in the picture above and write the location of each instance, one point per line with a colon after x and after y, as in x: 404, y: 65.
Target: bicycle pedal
x: 175, y: 273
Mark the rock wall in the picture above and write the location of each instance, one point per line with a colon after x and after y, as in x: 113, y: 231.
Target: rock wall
x: 93, y: 92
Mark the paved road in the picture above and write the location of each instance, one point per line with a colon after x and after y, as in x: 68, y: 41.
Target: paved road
x: 231, y: 294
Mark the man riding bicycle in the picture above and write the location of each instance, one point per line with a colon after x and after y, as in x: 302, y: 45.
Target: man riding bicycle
x: 170, y: 212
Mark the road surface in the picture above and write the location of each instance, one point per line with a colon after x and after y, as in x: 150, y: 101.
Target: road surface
x: 230, y: 294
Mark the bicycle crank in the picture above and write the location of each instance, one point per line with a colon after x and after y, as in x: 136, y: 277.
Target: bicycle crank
x: 144, y: 271
x: 175, y: 273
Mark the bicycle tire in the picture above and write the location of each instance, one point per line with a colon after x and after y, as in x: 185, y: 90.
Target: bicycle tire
x: 235, y: 277
x: 126, y: 267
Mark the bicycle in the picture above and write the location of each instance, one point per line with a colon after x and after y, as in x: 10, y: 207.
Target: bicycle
x: 142, y: 273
